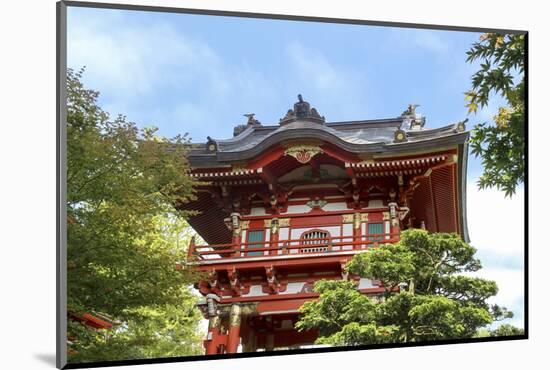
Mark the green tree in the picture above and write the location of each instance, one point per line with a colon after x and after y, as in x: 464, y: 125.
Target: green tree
x: 124, y: 235
x: 506, y: 330
x: 501, y: 145
x: 426, y: 297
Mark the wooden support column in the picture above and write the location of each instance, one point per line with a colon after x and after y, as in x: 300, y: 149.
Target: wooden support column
x: 394, y: 219
x: 357, y: 229
x: 395, y: 228
x: 234, y: 329
x: 248, y: 337
x: 251, y: 344
x: 213, y: 337
x: 274, y: 237
x: 270, y: 342
x: 236, y: 229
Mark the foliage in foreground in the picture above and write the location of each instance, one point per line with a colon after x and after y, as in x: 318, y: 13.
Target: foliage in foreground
x: 503, y: 330
x: 435, y: 300
x: 161, y: 331
x: 501, y: 145
x: 124, y: 235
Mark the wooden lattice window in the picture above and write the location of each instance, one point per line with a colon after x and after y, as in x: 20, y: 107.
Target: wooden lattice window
x: 375, y: 230
x: 319, y: 238
x: 255, y: 236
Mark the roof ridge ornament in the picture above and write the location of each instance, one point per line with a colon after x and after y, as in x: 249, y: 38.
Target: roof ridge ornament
x: 460, y: 126
x: 211, y: 145
x: 411, y: 119
x: 302, y: 112
x: 251, y: 121
x: 399, y: 136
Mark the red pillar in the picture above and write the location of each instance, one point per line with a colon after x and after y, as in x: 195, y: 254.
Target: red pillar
x: 274, y: 238
x: 236, y: 229
x: 357, y: 230
x: 211, y: 342
x: 395, y: 229
x: 236, y: 241
x: 233, y: 338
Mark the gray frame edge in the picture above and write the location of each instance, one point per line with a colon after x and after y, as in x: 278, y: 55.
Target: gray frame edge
x: 61, y: 187
x: 286, y: 17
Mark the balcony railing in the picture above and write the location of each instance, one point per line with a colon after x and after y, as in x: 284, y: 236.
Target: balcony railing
x: 289, y: 247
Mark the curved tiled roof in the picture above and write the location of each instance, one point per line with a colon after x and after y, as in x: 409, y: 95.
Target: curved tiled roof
x: 353, y: 136
x: 399, y: 134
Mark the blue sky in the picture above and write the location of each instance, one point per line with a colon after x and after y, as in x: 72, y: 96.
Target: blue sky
x: 200, y: 74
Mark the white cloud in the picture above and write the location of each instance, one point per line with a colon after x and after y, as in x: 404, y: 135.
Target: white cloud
x: 428, y: 40
x: 495, y: 223
x: 312, y: 72
x: 131, y: 63
x: 496, y: 227
x: 314, y: 66
x: 510, y: 283
x: 128, y: 60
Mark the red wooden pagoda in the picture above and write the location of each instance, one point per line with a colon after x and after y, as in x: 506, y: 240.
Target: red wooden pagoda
x: 289, y: 204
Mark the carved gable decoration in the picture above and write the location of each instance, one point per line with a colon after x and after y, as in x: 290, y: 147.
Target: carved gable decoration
x: 303, y: 153
x: 316, y: 203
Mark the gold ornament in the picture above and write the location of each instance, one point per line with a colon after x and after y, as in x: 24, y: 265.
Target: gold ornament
x: 303, y: 153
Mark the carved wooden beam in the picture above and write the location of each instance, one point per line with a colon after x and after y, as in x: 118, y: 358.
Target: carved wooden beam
x: 272, y: 283
x: 268, y: 177
x: 213, y: 279
x: 315, y: 169
x: 234, y: 281
x: 344, y: 270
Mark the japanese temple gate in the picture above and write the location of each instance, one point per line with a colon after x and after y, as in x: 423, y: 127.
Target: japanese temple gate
x: 286, y: 205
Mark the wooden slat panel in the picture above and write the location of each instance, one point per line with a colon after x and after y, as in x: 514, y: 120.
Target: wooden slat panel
x: 443, y: 188
x: 209, y: 222
x: 422, y: 205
